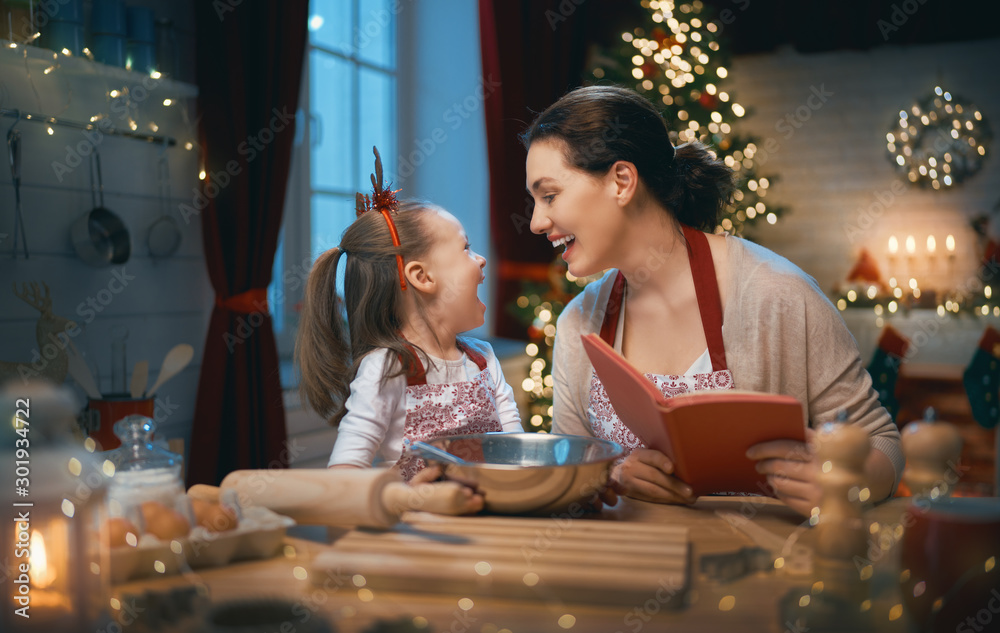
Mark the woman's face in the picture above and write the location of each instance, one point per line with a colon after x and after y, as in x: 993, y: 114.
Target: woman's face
x: 574, y: 208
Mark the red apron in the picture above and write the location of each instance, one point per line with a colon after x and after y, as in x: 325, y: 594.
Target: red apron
x: 453, y: 408
x: 603, y: 420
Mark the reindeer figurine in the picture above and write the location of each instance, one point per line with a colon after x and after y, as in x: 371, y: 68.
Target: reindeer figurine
x: 49, y: 359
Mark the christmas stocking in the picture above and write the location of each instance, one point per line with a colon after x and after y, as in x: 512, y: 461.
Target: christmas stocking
x: 982, y: 378
x: 884, y: 368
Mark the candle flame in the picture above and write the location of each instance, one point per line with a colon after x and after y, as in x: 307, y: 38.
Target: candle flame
x: 893, y: 245
x: 931, y: 244
x: 949, y: 243
x: 41, y: 573
x: 911, y: 244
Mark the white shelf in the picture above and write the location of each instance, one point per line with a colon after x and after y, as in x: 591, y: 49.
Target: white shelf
x: 78, y: 91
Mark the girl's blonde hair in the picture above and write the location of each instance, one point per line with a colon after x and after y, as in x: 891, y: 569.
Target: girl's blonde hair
x: 328, y: 351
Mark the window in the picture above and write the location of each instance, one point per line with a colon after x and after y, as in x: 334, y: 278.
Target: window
x: 347, y: 105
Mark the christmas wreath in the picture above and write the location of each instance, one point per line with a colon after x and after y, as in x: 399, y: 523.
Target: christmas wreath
x: 940, y: 141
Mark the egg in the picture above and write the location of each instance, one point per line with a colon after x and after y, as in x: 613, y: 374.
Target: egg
x: 122, y: 532
x: 163, y: 522
x: 214, y: 517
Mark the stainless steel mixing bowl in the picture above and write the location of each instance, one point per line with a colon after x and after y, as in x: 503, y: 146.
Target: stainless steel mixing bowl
x: 530, y: 473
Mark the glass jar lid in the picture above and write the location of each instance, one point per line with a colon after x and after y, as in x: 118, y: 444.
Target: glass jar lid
x: 138, y: 451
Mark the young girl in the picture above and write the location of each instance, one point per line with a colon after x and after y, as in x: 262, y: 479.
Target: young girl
x: 399, y: 371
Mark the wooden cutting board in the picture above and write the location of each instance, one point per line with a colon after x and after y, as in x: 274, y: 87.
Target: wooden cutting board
x: 570, y: 560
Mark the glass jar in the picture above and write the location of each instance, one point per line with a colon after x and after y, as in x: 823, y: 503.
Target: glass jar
x: 144, y: 471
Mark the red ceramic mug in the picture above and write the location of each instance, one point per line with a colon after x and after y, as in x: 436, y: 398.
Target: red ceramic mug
x: 950, y: 563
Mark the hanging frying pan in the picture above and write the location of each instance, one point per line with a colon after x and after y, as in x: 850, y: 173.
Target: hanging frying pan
x: 99, y: 236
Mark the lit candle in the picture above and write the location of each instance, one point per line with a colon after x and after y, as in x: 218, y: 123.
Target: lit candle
x: 911, y: 245
x: 42, y: 596
x: 949, y: 243
x: 931, y: 244
x: 893, y: 245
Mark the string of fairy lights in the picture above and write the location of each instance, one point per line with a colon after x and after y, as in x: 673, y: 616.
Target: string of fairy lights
x: 124, y: 97
x: 904, y: 297
x: 940, y: 141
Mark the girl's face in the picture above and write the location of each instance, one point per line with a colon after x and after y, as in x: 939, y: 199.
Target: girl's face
x: 458, y: 271
x: 574, y: 208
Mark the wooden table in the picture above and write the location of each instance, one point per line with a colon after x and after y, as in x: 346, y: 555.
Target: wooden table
x: 749, y: 603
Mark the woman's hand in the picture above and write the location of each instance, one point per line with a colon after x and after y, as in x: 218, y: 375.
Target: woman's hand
x: 648, y: 475
x: 791, y: 468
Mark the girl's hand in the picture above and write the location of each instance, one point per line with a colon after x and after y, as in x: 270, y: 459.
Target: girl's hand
x: 431, y: 473
x: 648, y: 475
x: 470, y: 501
x: 791, y: 470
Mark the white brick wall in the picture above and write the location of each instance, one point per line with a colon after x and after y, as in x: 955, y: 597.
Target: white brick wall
x: 832, y: 166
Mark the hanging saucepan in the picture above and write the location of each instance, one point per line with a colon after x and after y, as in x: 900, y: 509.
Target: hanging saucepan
x: 164, y: 234
x: 99, y: 236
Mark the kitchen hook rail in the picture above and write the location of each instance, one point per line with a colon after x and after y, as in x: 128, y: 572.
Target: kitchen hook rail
x: 49, y: 120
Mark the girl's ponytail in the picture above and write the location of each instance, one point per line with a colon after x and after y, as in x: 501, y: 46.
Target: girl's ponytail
x: 322, y: 350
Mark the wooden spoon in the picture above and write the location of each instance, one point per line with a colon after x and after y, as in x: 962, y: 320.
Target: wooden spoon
x: 175, y: 360
x: 140, y: 378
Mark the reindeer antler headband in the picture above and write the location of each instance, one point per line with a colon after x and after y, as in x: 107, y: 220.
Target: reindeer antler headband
x: 384, y: 201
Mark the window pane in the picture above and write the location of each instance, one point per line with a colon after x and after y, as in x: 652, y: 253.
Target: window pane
x: 331, y: 105
x: 330, y: 24
x: 377, y: 97
x: 375, y: 38
x: 330, y: 216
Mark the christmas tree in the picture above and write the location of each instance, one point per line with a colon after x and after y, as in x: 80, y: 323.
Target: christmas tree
x: 537, y: 309
x: 677, y: 60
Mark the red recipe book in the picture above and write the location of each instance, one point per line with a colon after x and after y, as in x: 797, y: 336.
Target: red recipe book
x: 705, y: 433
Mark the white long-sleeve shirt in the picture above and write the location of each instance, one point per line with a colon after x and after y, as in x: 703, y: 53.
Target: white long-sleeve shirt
x: 372, y: 430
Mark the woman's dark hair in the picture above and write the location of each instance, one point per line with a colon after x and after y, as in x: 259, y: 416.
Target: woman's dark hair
x: 328, y: 353
x: 600, y: 125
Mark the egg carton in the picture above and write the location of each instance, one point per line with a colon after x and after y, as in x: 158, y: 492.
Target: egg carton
x: 260, y: 534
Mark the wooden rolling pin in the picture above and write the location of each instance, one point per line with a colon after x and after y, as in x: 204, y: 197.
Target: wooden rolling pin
x: 370, y: 497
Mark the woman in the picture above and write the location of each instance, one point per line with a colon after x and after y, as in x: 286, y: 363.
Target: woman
x: 693, y: 309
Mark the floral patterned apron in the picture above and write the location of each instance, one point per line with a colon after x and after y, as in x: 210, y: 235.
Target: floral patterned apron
x: 453, y: 408
x: 603, y: 420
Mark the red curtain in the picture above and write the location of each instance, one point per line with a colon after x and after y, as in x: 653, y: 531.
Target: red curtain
x: 249, y: 65
x: 537, y: 50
